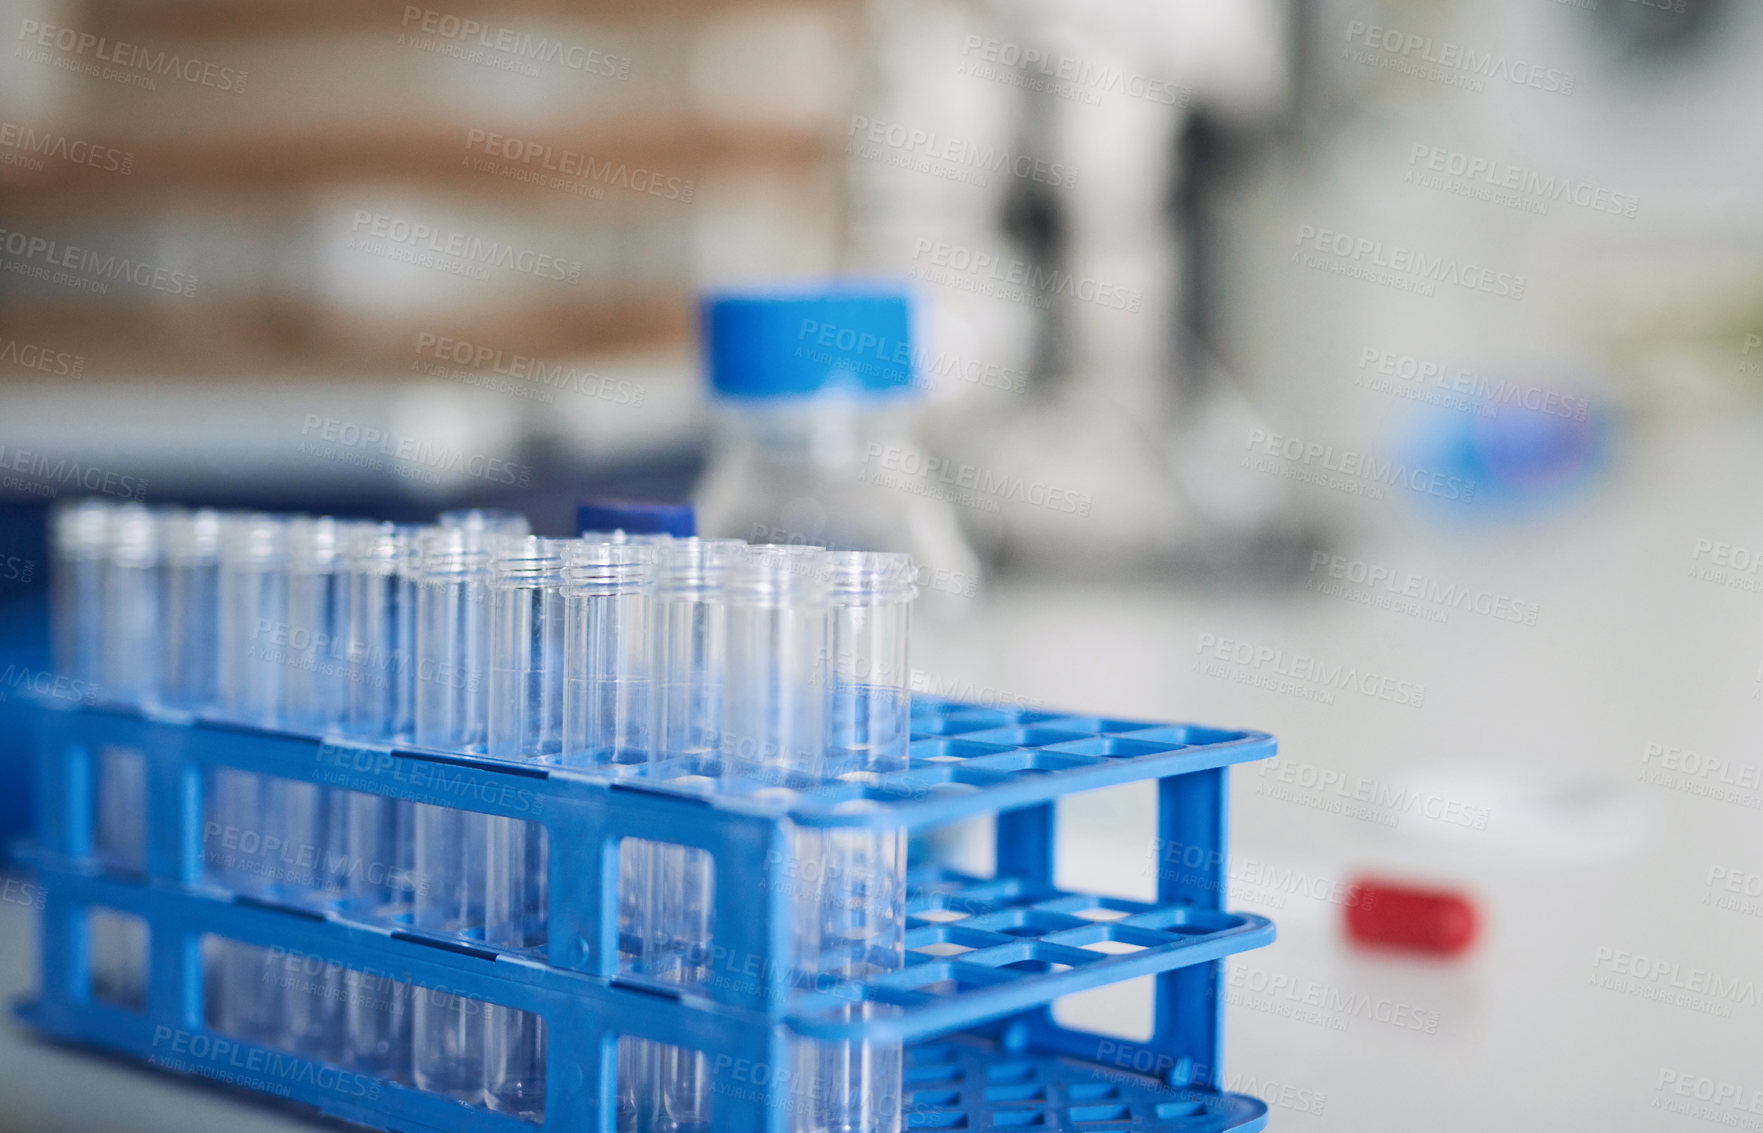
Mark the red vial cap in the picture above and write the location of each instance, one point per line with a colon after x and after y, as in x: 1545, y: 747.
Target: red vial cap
x: 1387, y: 914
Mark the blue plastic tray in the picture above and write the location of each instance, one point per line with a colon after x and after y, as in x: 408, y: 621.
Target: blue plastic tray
x: 1027, y: 942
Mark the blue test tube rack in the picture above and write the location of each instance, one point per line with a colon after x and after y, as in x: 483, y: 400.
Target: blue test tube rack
x: 984, y: 1050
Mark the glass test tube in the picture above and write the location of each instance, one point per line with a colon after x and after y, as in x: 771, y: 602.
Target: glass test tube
x: 253, y: 593
x: 606, y: 598
x: 310, y: 821
x: 379, y: 561
x: 774, y: 707
x: 688, y: 650
x: 129, y: 674
x: 189, y: 665
x: 77, y: 537
x: 452, y: 710
x: 855, y: 927
x: 526, y: 723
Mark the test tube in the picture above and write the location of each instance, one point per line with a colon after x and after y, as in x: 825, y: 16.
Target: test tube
x: 190, y: 643
x: 379, y: 561
x: 310, y: 821
x: 253, y: 593
x: 77, y: 536
x: 526, y: 723
x: 606, y: 598
x: 452, y: 710
x: 774, y: 707
x: 854, y: 927
x: 689, y: 661
x: 128, y: 674
x: 490, y: 523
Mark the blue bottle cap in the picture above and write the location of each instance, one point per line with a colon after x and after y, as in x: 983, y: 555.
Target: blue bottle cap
x: 637, y: 517
x: 790, y: 343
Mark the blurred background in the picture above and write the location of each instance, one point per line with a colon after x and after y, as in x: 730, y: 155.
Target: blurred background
x: 1383, y: 375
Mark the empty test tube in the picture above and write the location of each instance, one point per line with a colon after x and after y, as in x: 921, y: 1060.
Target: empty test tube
x: 853, y: 927
x: 310, y: 822
x: 674, y: 921
x: 77, y: 535
x: 606, y: 598
x: 129, y: 672
x: 774, y: 706
x: 452, y: 714
x: 379, y: 561
x: 189, y: 664
x: 253, y: 593
x: 526, y: 723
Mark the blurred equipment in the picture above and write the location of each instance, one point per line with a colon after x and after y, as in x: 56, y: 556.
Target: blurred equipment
x: 814, y: 439
x: 637, y: 517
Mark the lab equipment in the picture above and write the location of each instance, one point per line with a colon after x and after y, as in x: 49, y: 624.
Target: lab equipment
x: 716, y: 742
x: 814, y: 440
x: 636, y: 517
x: 969, y: 1010
x: 1389, y: 914
x: 525, y: 723
x: 189, y: 675
x: 452, y: 714
x: 78, y: 533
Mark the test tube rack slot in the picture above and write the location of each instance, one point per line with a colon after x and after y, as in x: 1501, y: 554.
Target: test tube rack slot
x: 986, y: 958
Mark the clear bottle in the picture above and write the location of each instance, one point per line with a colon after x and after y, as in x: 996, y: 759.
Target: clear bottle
x: 189, y: 678
x: 814, y: 439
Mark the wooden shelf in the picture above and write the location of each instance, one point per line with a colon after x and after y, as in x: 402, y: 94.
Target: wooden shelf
x: 431, y: 155
x: 233, y: 341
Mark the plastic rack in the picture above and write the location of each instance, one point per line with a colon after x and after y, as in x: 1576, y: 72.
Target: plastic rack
x: 985, y: 1050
